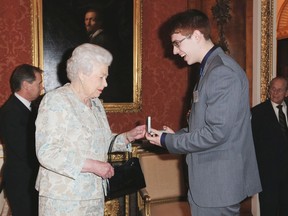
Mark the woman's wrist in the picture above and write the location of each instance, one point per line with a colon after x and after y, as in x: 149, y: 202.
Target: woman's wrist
x: 127, y: 138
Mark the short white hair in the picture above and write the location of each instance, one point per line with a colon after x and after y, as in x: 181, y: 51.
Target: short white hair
x: 84, y: 57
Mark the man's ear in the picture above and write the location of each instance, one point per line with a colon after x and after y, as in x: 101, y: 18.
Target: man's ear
x: 286, y: 94
x: 198, y: 35
x: 25, y: 85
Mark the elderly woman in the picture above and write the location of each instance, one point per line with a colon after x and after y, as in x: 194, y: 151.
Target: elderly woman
x: 73, y: 137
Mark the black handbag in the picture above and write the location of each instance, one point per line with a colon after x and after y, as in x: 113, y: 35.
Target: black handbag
x: 128, y: 177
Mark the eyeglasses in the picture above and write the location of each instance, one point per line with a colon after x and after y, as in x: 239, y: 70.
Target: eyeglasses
x: 177, y: 43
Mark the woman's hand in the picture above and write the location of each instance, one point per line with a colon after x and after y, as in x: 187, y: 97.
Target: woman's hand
x: 136, y: 133
x: 99, y: 168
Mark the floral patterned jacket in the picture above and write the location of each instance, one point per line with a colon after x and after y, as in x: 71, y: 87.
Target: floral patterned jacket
x: 68, y: 133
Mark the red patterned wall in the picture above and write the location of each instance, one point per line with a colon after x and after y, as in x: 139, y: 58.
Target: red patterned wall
x: 164, y: 85
x: 15, y: 40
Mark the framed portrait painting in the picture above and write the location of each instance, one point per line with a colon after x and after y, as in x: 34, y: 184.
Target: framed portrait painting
x: 61, y: 25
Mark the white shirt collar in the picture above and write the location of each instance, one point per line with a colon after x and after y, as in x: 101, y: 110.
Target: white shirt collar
x: 275, y: 104
x: 96, y: 33
x: 23, y: 100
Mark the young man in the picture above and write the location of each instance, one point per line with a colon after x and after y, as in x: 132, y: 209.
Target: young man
x: 17, y: 130
x: 218, y: 142
x: 271, y: 145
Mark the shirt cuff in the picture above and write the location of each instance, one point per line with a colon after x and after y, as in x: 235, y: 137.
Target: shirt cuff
x: 162, y: 140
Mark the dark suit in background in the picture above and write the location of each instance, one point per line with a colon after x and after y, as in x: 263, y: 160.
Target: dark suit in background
x: 106, y: 41
x: 272, y: 156
x: 17, y: 131
x: 21, y: 165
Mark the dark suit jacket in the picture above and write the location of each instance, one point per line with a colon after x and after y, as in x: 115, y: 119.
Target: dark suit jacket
x: 17, y: 130
x: 106, y: 41
x: 270, y: 144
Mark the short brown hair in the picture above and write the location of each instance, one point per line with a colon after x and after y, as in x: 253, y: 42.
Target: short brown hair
x: 188, y: 21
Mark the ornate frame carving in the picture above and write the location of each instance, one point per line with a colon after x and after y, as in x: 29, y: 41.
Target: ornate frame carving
x: 37, y: 53
x: 266, y: 68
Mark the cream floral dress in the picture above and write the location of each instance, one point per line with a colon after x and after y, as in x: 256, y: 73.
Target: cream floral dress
x: 68, y: 133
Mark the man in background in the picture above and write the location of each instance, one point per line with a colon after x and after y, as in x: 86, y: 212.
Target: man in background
x: 17, y: 130
x: 94, y: 22
x: 269, y: 125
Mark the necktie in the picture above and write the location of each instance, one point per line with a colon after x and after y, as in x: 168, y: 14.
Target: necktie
x: 282, y: 120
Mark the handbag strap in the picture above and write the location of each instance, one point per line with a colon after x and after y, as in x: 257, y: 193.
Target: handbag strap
x: 111, y: 146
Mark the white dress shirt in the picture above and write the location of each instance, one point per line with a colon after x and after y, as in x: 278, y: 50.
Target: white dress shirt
x: 24, y: 101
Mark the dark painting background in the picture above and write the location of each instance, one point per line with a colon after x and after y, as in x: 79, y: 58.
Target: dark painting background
x: 63, y: 30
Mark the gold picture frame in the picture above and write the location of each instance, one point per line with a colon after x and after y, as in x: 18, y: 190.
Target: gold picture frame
x: 266, y: 58
x: 126, y: 106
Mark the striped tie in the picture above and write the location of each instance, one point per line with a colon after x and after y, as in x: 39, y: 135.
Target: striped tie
x: 282, y: 120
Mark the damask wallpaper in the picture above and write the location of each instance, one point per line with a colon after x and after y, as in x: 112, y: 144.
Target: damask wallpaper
x: 15, y: 40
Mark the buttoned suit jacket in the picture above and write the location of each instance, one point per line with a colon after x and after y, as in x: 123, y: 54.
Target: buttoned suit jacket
x: 17, y: 131
x: 221, y: 159
x: 270, y: 144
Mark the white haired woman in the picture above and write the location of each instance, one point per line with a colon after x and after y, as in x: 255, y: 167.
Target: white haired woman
x: 73, y: 137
